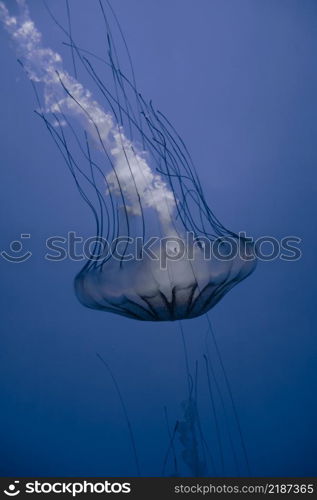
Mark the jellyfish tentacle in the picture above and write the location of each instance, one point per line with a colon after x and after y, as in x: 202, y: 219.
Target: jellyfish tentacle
x: 171, y: 447
x: 214, y: 413
x: 211, y: 334
x: 70, y: 34
x: 125, y: 412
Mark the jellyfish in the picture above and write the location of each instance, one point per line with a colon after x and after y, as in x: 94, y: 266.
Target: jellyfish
x: 136, y: 174
x: 158, y: 252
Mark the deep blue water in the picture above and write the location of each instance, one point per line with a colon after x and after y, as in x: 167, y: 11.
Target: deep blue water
x: 238, y: 80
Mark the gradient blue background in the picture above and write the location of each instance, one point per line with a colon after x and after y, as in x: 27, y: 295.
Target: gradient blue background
x: 238, y: 79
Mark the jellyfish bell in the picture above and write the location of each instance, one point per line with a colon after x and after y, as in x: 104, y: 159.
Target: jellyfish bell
x: 186, y: 270
x: 172, y: 286
x: 183, y: 274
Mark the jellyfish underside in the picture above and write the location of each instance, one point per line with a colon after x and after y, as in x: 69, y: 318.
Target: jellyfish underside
x: 145, y: 290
